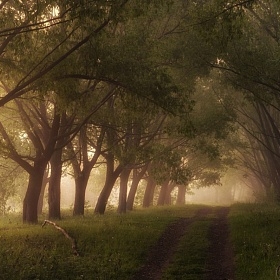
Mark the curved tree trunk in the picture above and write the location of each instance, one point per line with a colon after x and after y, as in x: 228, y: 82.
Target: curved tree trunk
x: 137, y: 176
x: 124, y: 176
x: 111, y: 177
x: 149, y: 192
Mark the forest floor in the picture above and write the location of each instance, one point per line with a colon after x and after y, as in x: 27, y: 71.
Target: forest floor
x: 219, y: 264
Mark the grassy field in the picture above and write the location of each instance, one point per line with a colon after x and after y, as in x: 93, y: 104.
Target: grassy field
x: 255, y: 233
x: 113, y: 246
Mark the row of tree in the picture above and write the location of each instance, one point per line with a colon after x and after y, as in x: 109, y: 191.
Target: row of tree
x: 151, y: 91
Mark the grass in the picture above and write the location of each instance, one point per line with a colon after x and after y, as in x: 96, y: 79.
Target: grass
x: 114, y: 246
x: 190, y: 258
x: 255, y: 233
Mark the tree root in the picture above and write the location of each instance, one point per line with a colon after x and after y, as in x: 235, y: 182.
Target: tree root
x: 73, y: 241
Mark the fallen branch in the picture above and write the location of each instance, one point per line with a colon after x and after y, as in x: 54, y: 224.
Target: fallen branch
x: 278, y: 272
x: 73, y: 241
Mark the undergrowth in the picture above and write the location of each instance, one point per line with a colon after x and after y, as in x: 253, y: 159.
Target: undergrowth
x: 111, y: 246
x: 255, y: 233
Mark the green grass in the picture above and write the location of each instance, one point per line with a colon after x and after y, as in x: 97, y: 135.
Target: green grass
x: 111, y: 246
x: 114, y: 246
x: 190, y: 258
x: 255, y: 233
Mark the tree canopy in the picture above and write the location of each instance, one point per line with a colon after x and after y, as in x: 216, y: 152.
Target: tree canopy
x: 169, y: 93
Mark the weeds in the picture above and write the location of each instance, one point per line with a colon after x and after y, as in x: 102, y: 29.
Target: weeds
x: 112, y: 246
x: 255, y: 232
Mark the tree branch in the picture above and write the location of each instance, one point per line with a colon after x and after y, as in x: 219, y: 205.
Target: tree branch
x: 73, y: 241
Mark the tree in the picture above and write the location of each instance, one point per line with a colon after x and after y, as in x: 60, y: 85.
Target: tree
x: 51, y: 33
x: 249, y: 64
x: 84, y: 156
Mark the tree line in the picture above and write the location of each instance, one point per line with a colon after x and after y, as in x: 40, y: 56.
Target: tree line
x: 170, y: 92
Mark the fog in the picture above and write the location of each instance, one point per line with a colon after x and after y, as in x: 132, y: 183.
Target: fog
x: 225, y: 194
x: 233, y: 189
x: 220, y: 195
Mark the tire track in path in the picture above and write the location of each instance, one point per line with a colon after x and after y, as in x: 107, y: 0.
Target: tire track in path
x: 163, y: 251
x: 220, y: 261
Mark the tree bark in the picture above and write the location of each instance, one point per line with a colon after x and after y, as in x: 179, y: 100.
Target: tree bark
x: 111, y: 177
x: 149, y: 192
x: 42, y: 193
x: 137, y: 176
x: 82, y: 166
x: 30, y: 202
x: 55, y: 185
x: 80, y: 193
x: 163, y: 193
x: 124, y: 176
x: 181, y: 197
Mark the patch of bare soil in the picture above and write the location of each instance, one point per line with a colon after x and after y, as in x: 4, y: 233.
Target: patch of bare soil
x: 220, y: 257
x: 220, y: 264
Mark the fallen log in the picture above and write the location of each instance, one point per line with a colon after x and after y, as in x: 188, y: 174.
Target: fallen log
x: 73, y: 241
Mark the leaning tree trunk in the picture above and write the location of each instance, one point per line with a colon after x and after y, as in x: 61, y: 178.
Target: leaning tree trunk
x: 30, y: 202
x: 137, y: 176
x: 149, y: 192
x: 55, y: 185
x: 111, y: 177
x: 124, y: 176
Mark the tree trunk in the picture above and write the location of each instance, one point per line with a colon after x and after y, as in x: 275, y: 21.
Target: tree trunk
x: 137, y: 176
x: 124, y: 176
x: 111, y: 177
x: 181, y: 197
x: 42, y: 193
x: 30, y: 202
x: 149, y: 192
x: 168, y: 200
x: 55, y: 185
x: 80, y: 193
x: 163, y: 193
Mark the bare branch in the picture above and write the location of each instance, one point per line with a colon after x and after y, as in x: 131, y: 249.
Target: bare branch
x: 65, y: 233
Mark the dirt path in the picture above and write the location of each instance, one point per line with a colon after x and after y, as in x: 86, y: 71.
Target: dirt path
x: 220, y: 265
x: 220, y: 258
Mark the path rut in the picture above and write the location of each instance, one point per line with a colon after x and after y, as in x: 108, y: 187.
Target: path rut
x: 219, y: 264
